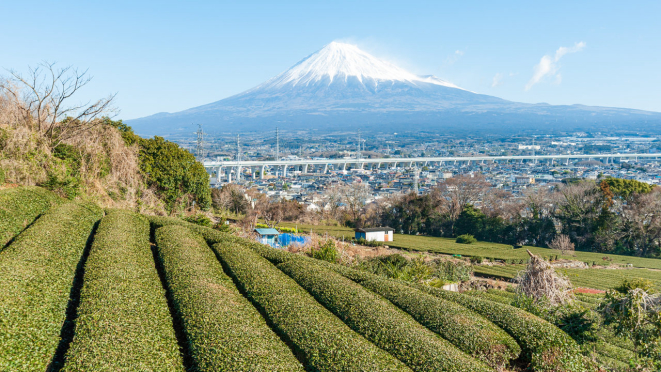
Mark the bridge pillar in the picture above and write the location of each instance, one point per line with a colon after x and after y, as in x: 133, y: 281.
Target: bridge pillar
x: 229, y: 175
x: 284, y: 171
x: 238, y: 173
x: 345, y: 167
x: 362, y: 164
x: 218, y: 174
x: 325, y: 168
x: 261, y: 173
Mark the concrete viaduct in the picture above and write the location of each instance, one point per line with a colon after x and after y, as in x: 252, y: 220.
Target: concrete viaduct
x: 222, y: 170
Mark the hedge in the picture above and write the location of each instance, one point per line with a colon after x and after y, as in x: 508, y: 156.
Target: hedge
x: 224, y: 331
x: 465, y: 329
x: 545, y: 346
x: 36, y: 274
x: 123, y: 322
x: 19, y: 207
x: 380, y: 321
x: 321, y: 340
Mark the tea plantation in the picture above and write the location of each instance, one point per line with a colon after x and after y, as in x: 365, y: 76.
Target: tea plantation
x: 82, y: 289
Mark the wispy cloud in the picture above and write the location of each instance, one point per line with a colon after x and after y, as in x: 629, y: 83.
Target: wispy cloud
x: 454, y: 57
x: 548, y: 65
x: 499, y: 78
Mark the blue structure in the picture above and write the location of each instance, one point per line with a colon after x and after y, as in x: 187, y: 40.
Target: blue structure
x: 289, y: 239
x: 268, y: 236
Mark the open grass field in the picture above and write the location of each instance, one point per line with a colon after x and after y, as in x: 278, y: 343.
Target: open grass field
x: 590, y: 278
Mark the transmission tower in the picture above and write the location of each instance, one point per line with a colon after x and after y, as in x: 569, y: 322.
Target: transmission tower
x: 199, y: 149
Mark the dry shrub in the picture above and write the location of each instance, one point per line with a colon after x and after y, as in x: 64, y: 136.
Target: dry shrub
x: 540, y: 282
x: 563, y: 244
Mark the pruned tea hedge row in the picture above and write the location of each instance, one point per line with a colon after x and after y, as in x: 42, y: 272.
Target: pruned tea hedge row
x: 380, y: 321
x: 467, y: 330
x: 545, y: 346
x: 322, y: 340
x: 20, y: 206
x: 224, y: 331
x: 123, y: 322
x: 36, y: 274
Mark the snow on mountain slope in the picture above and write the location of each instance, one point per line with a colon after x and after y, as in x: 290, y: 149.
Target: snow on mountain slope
x: 341, y: 87
x: 342, y: 61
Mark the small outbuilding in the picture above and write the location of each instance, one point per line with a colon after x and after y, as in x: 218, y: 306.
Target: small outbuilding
x: 378, y: 234
x: 267, y: 236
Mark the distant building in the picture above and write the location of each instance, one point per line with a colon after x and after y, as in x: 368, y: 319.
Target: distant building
x: 529, y: 147
x: 379, y: 234
x: 267, y: 236
x: 524, y: 180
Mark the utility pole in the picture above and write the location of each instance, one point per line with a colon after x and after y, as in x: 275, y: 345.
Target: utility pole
x: 277, y: 144
x: 238, y: 159
x: 199, y: 149
x: 358, y: 154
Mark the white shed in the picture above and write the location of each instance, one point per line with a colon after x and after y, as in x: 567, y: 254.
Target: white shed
x: 379, y: 234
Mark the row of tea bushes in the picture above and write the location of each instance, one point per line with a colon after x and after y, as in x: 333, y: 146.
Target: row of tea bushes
x: 223, y: 330
x: 20, y: 206
x: 380, y: 321
x: 544, y: 345
x: 321, y: 340
x: 36, y: 274
x: 123, y: 322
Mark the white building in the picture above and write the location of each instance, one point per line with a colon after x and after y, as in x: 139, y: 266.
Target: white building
x: 379, y: 234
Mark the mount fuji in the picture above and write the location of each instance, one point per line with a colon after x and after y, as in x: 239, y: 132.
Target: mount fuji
x: 341, y: 87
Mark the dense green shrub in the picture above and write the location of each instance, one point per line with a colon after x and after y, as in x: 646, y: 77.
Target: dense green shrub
x: 546, y: 347
x: 199, y: 219
x: 466, y: 239
x: 2, y: 176
x: 370, y: 243
x: 174, y: 173
x: 325, y: 252
x: 477, y: 259
x: 321, y: 339
x: 224, y: 331
x: 123, y: 321
x: 36, y: 274
x: 379, y: 321
x: 465, y: 329
x: 19, y: 207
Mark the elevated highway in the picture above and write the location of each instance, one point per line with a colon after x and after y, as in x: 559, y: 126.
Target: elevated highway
x: 220, y: 170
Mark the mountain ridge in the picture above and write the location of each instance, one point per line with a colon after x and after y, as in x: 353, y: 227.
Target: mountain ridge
x: 340, y: 87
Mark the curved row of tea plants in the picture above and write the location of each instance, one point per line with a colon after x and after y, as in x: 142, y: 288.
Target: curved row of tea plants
x: 379, y: 320
x: 36, y: 274
x: 465, y: 329
x: 322, y: 340
x: 223, y: 330
x: 545, y: 346
x: 123, y: 321
x: 20, y: 206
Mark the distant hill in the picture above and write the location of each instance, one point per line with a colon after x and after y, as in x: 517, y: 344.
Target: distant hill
x: 341, y: 87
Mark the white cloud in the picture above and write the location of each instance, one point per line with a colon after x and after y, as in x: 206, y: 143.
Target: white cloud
x: 497, y: 80
x: 548, y: 66
x: 454, y: 57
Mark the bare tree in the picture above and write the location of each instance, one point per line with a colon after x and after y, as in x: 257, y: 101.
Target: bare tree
x: 354, y: 197
x: 456, y: 192
x: 563, y: 244
x: 43, y: 98
x: 540, y: 282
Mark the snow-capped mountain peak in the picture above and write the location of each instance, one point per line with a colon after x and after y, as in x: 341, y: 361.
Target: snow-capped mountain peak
x: 342, y: 61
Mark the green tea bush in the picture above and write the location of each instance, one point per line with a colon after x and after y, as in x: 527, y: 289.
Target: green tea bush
x: 224, y: 331
x: 465, y: 329
x: 379, y: 321
x: 545, y: 346
x: 199, y: 219
x: 20, y: 206
x: 123, y: 321
x: 36, y: 274
x: 477, y: 259
x: 326, y: 252
x: 466, y: 239
x: 320, y: 338
x: 2, y: 176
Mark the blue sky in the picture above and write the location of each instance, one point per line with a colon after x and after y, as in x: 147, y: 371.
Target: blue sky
x: 173, y: 55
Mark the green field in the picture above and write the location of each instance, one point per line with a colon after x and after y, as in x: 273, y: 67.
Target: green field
x: 603, y: 279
